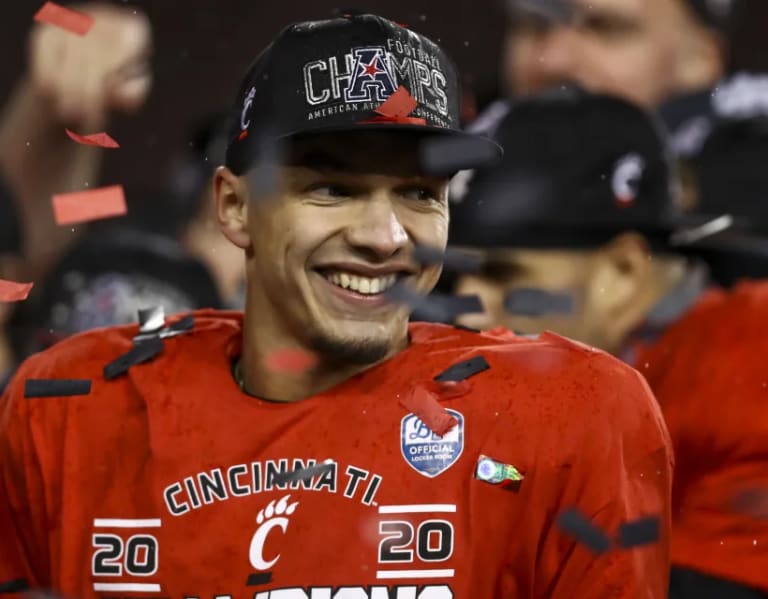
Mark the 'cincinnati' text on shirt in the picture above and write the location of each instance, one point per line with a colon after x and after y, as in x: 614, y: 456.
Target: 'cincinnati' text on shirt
x: 241, y: 480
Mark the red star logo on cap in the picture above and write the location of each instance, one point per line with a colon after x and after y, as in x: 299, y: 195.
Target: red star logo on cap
x: 372, y: 69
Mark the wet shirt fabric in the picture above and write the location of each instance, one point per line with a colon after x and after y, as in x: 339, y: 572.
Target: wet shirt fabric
x: 168, y: 481
x: 710, y: 376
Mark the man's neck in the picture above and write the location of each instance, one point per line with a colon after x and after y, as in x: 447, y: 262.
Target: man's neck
x: 262, y: 382
x: 679, y: 284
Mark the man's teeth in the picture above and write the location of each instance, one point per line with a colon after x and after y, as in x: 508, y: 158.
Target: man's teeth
x: 364, y: 285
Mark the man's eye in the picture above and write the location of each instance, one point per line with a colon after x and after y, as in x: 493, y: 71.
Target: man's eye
x: 605, y: 26
x: 419, y: 194
x: 330, y: 190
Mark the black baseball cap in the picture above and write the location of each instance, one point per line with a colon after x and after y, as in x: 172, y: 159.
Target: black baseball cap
x: 728, y: 226
x: 690, y: 118
x: 716, y: 14
x: 731, y: 188
x: 578, y: 168
x: 345, y: 74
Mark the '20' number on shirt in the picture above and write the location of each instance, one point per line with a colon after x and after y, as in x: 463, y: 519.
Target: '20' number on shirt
x: 433, y: 541
x: 137, y: 555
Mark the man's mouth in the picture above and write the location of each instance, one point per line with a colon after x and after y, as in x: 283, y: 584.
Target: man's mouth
x: 370, y: 286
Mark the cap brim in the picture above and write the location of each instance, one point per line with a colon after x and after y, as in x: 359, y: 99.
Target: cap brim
x: 722, y: 231
x: 555, y: 11
x: 443, y: 152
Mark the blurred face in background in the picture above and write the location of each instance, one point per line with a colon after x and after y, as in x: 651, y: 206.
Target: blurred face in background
x: 607, y: 288
x: 560, y: 272
x: 641, y: 50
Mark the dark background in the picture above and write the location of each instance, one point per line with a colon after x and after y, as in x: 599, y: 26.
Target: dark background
x: 204, y: 46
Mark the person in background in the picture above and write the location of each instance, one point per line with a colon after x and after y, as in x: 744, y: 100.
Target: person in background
x: 643, y: 50
x: 167, y: 252
x: 582, y: 236
x: 118, y: 267
x: 191, y: 194
x: 77, y: 82
x: 584, y: 196
x: 10, y: 266
x: 708, y: 373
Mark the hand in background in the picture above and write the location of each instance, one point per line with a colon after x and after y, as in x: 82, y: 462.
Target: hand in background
x: 85, y: 78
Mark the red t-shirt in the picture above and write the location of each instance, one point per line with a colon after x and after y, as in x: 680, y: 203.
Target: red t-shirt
x: 710, y: 375
x: 160, y: 483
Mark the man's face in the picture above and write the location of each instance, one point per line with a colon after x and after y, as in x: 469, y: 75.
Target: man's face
x: 340, y: 232
x: 559, y: 272
x: 629, y: 48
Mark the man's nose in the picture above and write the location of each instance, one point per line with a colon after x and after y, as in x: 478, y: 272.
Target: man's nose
x: 557, y: 56
x: 377, y: 227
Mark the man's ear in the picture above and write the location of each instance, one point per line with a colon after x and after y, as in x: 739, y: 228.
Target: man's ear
x: 620, y: 274
x: 230, y: 195
x: 701, y: 58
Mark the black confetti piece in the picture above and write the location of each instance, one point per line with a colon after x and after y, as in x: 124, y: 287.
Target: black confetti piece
x: 18, y: 585
x: 537, y: 302
x: 559, y: 11
x: 302, y: 474
x: 752, y: 502
x: 446, y: 155
x: 579, y: 526
x: 142, y: 352
x: 463, y: 370
x: 435, y: 307
x: 182, y: 326
x: 643, y: 531
x: 452, y: 259
x: 264, y: 174
x: 258, y: 578
x: 56, y: 388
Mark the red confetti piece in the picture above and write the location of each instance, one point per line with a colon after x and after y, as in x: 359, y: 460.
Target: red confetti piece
x: 396, y: 109
x: 424, y: 404
x: 399, y: 104
x: 14, y: 292
x: 84, y: 206
x: 102, y: 140
x: 292, y: 361
x: 71, y: 20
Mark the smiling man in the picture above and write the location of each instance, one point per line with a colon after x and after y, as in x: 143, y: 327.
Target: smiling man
x: 196, y: 459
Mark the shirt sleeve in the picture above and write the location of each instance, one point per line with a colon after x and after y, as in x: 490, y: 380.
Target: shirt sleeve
x: 23, y: 546
x: 620, y: 471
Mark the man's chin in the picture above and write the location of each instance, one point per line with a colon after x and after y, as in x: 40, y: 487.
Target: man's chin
x: 361, y: 351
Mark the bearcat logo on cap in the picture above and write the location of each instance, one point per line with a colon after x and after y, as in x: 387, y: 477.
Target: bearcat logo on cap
x: 364, y: 77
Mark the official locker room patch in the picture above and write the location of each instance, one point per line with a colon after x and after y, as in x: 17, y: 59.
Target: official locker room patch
x: 427, y: 453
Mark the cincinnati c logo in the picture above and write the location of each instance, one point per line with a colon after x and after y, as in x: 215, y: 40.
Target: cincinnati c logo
x: 271, y: 517
x: 245, y: 122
